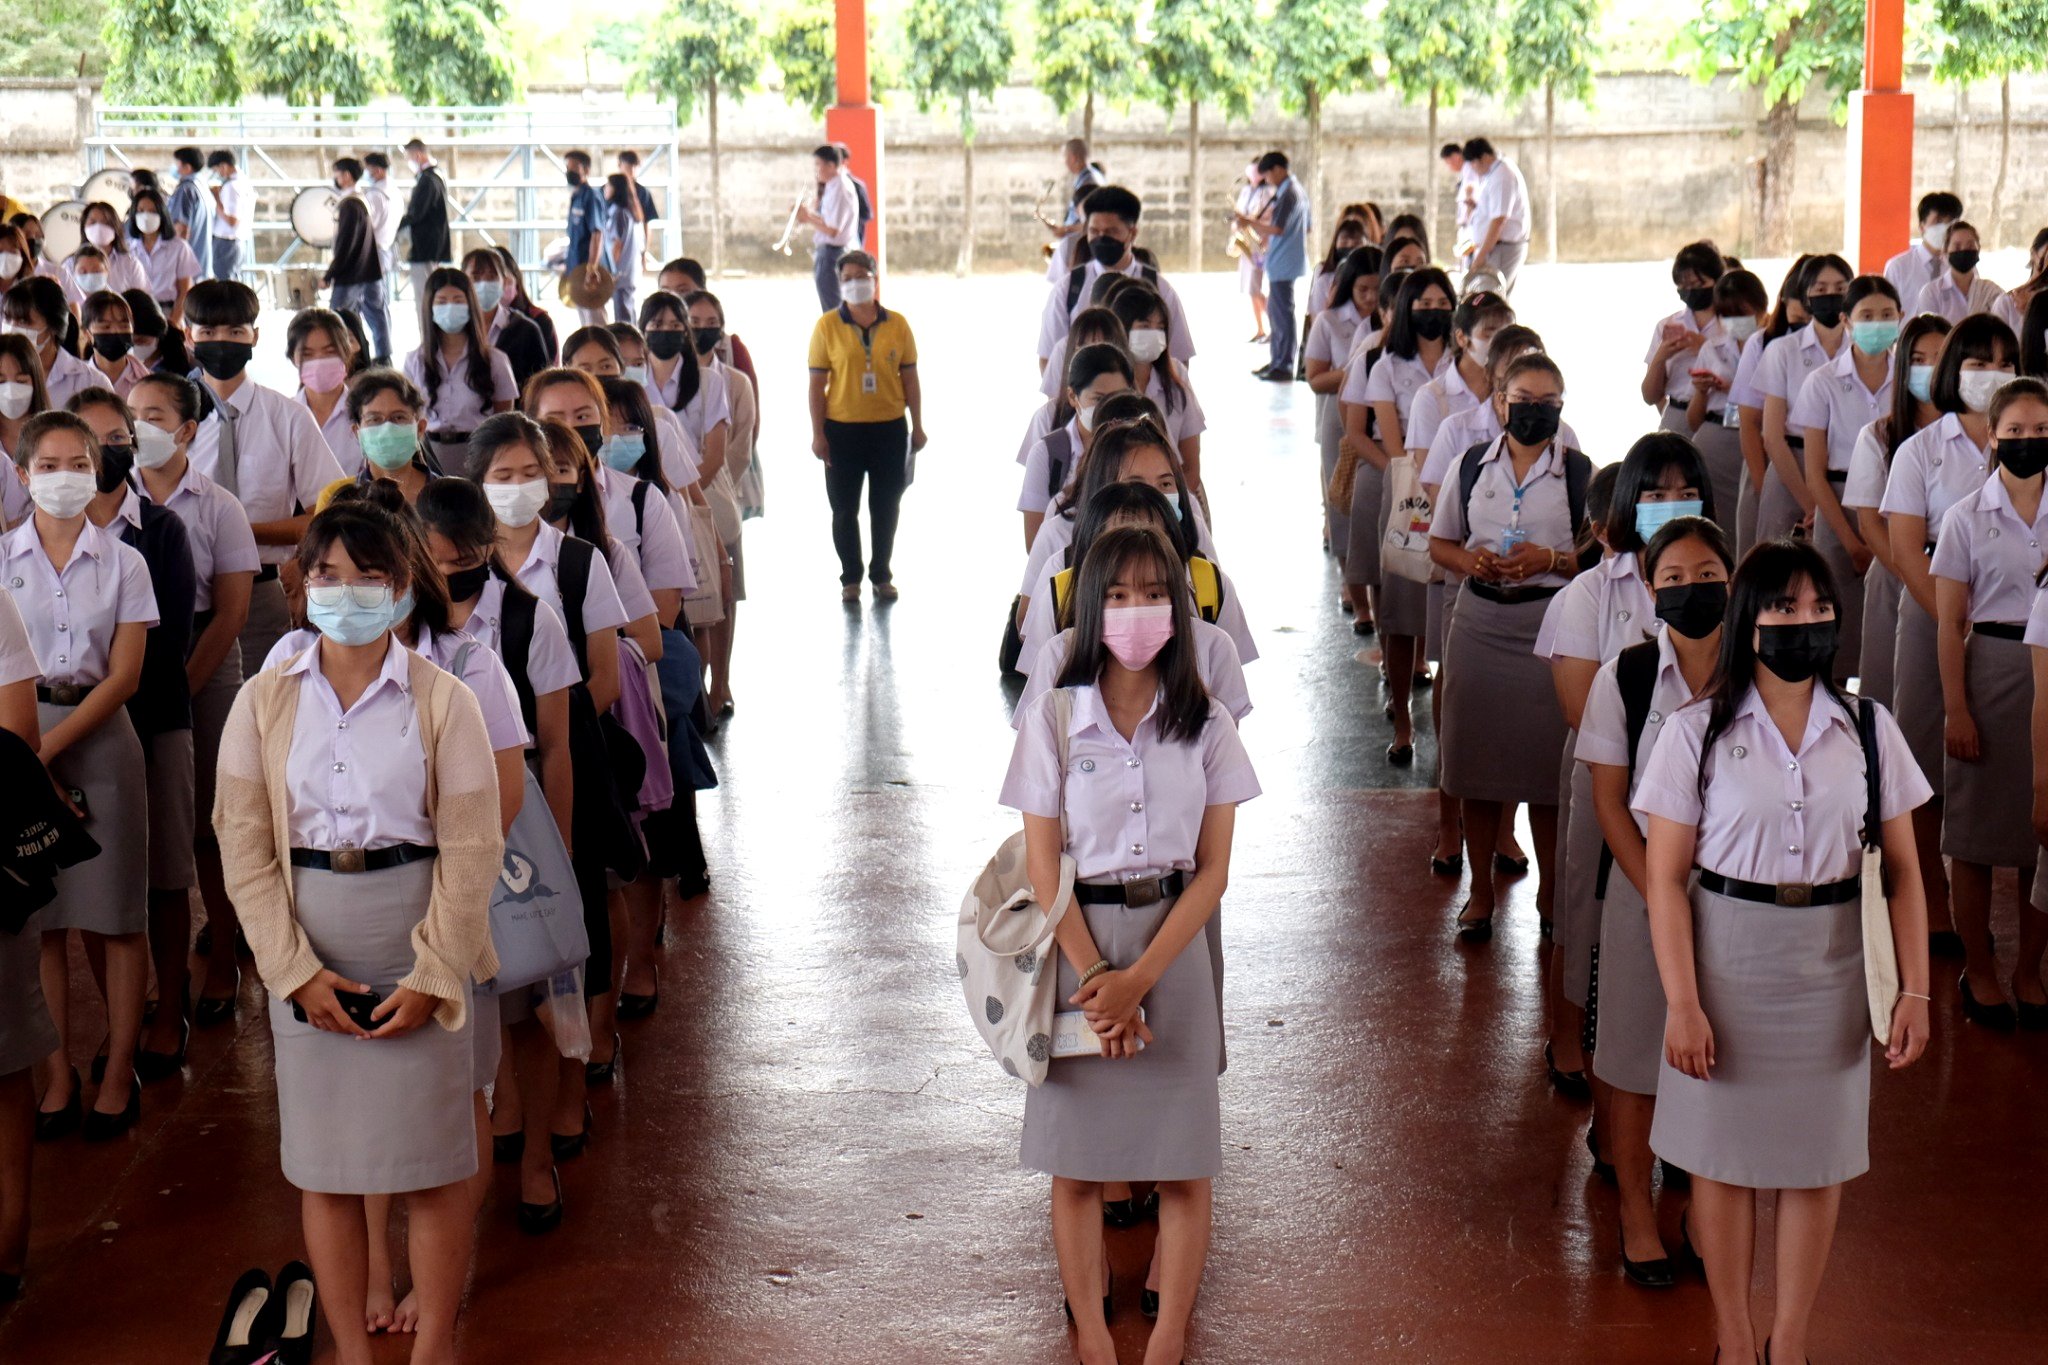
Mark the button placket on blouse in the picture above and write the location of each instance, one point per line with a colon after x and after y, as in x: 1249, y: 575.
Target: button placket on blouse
x: 1135, y: 822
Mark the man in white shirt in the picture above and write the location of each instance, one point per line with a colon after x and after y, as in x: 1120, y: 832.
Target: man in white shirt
x: 1921, y: 263
x: 233, y: 215
x: 1500, y: 216
x: 1110, y: 218
x: 834, y: 221
x: 377, y: 198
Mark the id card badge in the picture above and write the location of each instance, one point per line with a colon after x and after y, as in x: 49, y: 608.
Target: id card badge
x: 867, y: 382
x: 1071, y: 1036
x: 1512, y: 539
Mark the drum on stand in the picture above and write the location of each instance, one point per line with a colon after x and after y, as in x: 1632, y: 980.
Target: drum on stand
x: 314, y: 215
x: 109, y: 187
x: 63, y: 229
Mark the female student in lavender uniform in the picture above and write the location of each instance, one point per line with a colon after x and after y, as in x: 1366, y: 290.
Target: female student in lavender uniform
x: 1151, y: 784
x: 26, y: 1034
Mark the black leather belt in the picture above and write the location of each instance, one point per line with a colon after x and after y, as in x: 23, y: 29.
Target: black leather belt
x: 1511, y: 597
x: 267, y: 574
x: 1838, y: 476
x: 1999, y: 630
x: 1145, y: 891
x: 1793, y: 895
x: 200, y: 621
x: 361, y: 859
x: 64, y: 694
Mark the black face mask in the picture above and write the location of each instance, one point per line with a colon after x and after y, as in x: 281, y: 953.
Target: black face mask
x: 1698, y: 300
x: 1532, y: 423
x: 222, y: 360
x: 2025, y: 456
x: 115, y: 463
x: 1964, y: 260
x: 708, y: 339
x: 667, y: 345
x: 574, y: 178
x: 593, y: 436
x: 1796, y: 653
x: 1694, y: 610
x: 113, y: 345
x: 1430, y: 324
x: 1827, y: 309
x: 1105, y: 251
x: 560, y: 500
x: 464, y: 584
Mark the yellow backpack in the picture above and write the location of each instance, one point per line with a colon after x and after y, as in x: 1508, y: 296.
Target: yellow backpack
x: 1206, y: 577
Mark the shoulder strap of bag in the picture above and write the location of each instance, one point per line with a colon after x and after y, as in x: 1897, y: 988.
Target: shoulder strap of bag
x: 1578, y: 473
x: 515, y: 646
x: 1635, y: 669
x: 1059, y: 452
x: 573, y: 580
x: 1062, y: 716
x: 1469, y: 466
x: 640, y: 487
x: 1208, y: 580
x: 1077, y: 280
x: 1866, y: 728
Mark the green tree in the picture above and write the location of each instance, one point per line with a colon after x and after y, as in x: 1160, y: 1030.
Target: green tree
x: 1551, y: 47
x: 958, y: 51
x: 450, y: 51
x: 1085, y: 49
x: 1320, y: 48
x: 696, y: 49
x: 1782, y: 47
x: 1980, y: 39
x: 171, y: 52
x: 310, y: 51
x: 55, y: 38
x: 1438, y: 50
x: 1203, y: 52
x: 803, y: 47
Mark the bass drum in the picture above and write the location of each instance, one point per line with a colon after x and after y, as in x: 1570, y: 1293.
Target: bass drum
x: 109, y: 187
x: 314, y: 212
x: 63, y: 230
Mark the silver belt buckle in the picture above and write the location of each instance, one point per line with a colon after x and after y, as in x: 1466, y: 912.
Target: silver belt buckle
x: 348, y: 860
x: 1140, y: 894
x: 67, y: 694
x: 1796, y: 895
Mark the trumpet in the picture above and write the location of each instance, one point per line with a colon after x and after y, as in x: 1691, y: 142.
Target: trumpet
x: 789, y: 228
x: 1038, y: 212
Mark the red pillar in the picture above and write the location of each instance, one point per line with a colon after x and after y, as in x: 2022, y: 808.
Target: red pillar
x: 853, y: 120
x: 1877, y: 199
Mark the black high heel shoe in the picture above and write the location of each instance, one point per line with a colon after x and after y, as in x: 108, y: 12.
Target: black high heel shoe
x: 1601, y: 1166
x: 640, y: 1006
x: 568, y: 1147
x: 99, y: 1127
x: 286, y: 1322
x: 1573, y: 1085
x: 1108, y: 1304
x: 236, y: 1342
x: 161, y: 1066
x: 1401, y: 755
x: 1473, y: 930
x: 1999, y: 1018
x: 1657, y: 1274
x: 210, y: 1010
x: 1128, y: 1213
x: 536, y: 1219
x: 1510, y: 867
x: 1148, y: 1303
x: 1447, y: 867
x: 604, y: 1073
x: 61, y: 1123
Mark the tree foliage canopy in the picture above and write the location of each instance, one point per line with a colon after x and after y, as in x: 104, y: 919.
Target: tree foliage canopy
x: 450, y: 51
x: 1324, y: 46
x: 957, y: 50
x: 1553, y: 44
x: 1780, y: 46
x: 1978, y: 39
x: 311, y: 50
x: 1206, y: 50
x: 695, y: 43
x: 1085, y: 47
x: 171, y: 52
x: 1443, y: 47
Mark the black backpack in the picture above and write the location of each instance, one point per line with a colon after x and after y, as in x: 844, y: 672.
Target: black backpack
x: 1578, y: 472
x: 608, y: 762
x: 1077, y: 278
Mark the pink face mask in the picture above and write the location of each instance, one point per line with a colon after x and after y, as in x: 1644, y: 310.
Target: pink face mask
x: 1136, y: 634
x: 322, y: 375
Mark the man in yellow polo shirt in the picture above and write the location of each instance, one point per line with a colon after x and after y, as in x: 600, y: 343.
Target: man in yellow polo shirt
x: 863, y: 381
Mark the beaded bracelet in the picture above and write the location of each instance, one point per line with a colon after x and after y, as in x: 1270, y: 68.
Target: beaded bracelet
x: 1102, y: 965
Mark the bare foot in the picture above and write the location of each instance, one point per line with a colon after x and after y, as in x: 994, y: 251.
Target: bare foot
x: 380, y: 1312
x: 407, y: 1318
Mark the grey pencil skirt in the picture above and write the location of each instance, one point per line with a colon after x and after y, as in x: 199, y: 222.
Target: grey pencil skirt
x: 1575, y: 916
x: 1788, y: 1105
x: 1987, y: 817
x: 108, y: 894
x: 1329, y: 430
x: 1875, y: 671
x: 1367, y: 522
x: 1629, y: 1033
x: 1503, y: 732
x: 27, y: 1034
x: 1916, y: 683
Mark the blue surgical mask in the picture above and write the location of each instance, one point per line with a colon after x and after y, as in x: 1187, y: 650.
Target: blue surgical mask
x: 1920, y: 382
x: 401, y: 610
x: 1873, y: 338
x: 350, y: 613
x: 451, y: 317
x: 636, y: 373
x: 1651, y: 516
x: 489, y: 293
x: 623, y: 452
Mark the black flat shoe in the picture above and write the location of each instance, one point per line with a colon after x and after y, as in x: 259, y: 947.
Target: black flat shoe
x: 161, y: 1066
x: 640, y: 1006
x: 1602, y: 1168
x: 1363, y: 627
x: 604, y: 1073
x: 1148, y: 1303
x: 1474, y: 930
x: 99, y: 1127
x: 507, y: 1148
x: 236, y: 1343
x: 1510, y: 867
x: 1573, y: 1085
x: 1446, y: 867
x: 286, y: 1322
x: 573, y: 1145
x: 1425, y: 681
x: 63, y: 1122
x: 216, y: 1009
x: 1401, y: 755
x: 1657, y: 1274
x: 535, y: 1219
x: 1945, y: 943
x: 1999, y: 1018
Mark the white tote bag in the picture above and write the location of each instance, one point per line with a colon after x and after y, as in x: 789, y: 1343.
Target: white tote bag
x: 1880, y: 952
x: 1404, y: 551
x: 1008, y: 962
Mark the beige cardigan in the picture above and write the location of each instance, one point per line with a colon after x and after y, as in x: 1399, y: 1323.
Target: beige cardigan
x: 452, y: 944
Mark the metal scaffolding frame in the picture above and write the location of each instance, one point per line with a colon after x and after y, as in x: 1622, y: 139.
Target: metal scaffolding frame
x: 524, y: 139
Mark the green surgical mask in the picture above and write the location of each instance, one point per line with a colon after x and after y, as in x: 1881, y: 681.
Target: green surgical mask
x: 390, y: 445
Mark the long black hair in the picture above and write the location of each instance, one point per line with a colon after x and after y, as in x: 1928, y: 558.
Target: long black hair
x: 654, y: 308
x: 1357, y: 262
x: 1769, y: 574
x: 1401, y: 338
x: 630, y: 406
x: 1642, y: 471
x: 476, y: 365
x: 1084, y: 367
x: 1183, y: 702
x: 1791, y: 290
x: 1904, y: 418
x: 566, y: 450
x: 1980, y: 336
x: 2034, y: 337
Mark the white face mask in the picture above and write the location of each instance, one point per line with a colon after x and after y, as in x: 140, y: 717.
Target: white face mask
x: 154, y: 446
x: 100, y: 235
x: 1977, y: 387
x: 1481, y: 350
x: 146, y: 223
x: 517, y: 504
x: 1740, y: 329
x: 1085, y: 415
x: 1147, y: 344
x: 92, y: 283
x: 1936, y: 237
x: 62, y: 495
x: 10, y: 264
x: 15, y: 398
x: 857, y: 291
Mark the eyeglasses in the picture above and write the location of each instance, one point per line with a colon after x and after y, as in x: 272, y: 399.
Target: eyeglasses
x: 360, y: 592
x: 371, y: 419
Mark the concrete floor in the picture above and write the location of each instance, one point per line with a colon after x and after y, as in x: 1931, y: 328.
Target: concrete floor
x: 808, y: 1156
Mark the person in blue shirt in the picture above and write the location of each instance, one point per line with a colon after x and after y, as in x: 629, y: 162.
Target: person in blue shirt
x: 1284, y: 229
x: 587, y: 214
x: 191, y: 209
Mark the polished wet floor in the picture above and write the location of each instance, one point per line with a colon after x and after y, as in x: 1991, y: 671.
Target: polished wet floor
x: 808, y: 1156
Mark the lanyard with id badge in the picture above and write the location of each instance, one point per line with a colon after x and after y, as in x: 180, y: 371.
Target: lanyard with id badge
x: 1513, y: 537
x: 868, y: 386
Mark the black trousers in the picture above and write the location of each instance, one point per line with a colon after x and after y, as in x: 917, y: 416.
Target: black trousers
x: 879, y: 453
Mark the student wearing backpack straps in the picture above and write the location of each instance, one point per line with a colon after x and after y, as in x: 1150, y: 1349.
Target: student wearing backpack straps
x: 1111, y: 215
x: 1688, y: 563
x: 1514, y: 543
x: 1763, y: 785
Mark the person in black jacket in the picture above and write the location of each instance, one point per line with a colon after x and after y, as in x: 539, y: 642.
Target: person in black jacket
x: 517, y: 299
x: 506, y: 328
x: 426, y: 216
x: 356, y: 275
x: 161, y: 707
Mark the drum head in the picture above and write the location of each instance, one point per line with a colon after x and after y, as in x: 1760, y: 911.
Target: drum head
x: 63, y: 229
x: 109, y: 186
x: 313, y: 215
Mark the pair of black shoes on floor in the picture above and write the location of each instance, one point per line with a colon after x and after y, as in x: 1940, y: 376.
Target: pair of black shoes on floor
x: 91, y: 1124
x: 268, y: 1320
